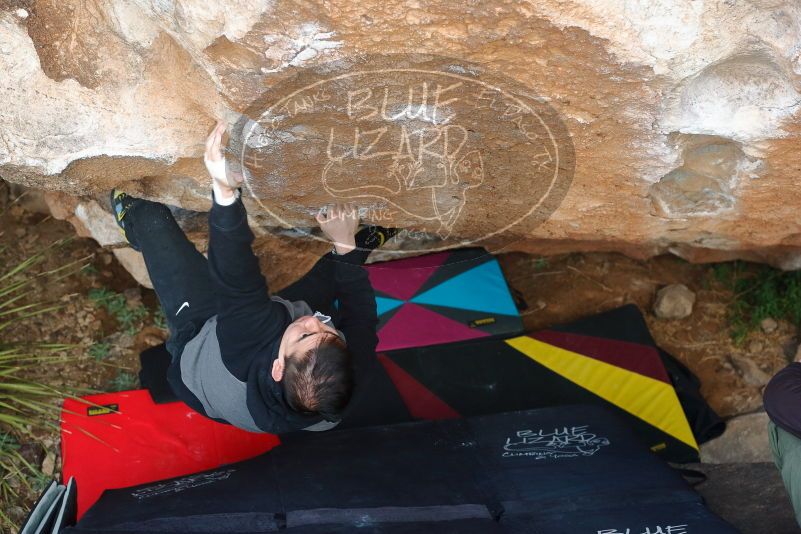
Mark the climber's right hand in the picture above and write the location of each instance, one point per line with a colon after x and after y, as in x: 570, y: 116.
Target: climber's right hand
x: 227, y: 182
x: 340, y: 222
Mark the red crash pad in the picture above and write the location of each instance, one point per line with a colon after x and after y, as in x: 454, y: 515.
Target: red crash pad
x: 115, y: 440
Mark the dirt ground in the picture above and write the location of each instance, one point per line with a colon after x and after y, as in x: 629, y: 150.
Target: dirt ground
x: 79, y: 321
x: 557, y: 290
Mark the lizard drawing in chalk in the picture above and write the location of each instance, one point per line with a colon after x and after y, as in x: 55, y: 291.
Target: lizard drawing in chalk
x: 429, y: 183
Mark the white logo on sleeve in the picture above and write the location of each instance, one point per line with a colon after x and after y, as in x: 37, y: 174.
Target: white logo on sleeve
x: 184, y: 305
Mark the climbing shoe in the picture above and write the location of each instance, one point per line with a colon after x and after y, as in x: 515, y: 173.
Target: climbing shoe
x: 373, y: 236
x: 121, y: 203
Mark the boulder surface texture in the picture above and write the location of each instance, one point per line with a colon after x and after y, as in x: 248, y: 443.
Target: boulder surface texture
x: 673, y: 124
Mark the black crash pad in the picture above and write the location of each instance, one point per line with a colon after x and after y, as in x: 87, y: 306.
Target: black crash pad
x: 565, y: 469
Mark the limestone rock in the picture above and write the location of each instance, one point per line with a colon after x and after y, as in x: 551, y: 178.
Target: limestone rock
x: 49, y: 464
x: 87, y: 217
x: 90, y: 220
x: 674, y: 302
x: 749, y: 496
x: 134, y: 264
x: 769, y: 325
x: 741, y: 401
x: 683, y: 129
x: 744, y: 441
x: 748, y: 369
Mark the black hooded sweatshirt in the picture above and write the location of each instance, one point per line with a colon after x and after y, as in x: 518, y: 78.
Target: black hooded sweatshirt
x: 224, y: 371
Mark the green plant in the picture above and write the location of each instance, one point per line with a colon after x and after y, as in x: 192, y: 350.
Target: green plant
x: 129, y: 318
x: 159, y: 319
x: 758, y: 292
x: 124, y: 381
x: 26, y: 403
x: 14, y: 466
x: 724, y: 273
x: 89, y: 270
x: 16, y: 286
x: 540, y: 264
x: 22, y: 398
x: 99, y: 350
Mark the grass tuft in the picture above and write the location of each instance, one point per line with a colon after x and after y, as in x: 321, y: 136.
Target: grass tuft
x: 26, y: 403
x: 540, y: 264
x: 124, y: 381
x: 759, y: 292
x: 159, y: 319
x: 129, y: 318
x: 99, y: 350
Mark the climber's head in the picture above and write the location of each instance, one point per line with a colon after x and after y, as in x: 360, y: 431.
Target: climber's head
x: 315, y: 368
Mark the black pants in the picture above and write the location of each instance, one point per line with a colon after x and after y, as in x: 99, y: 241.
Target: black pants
x: 181, y: 279
x: 180, y: 274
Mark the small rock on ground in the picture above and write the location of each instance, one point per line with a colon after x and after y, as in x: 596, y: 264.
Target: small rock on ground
x: 674, y: 302
x: 749, y: 370
x: 742, y: 401
x: 49, y: 464
x: 768, y: 325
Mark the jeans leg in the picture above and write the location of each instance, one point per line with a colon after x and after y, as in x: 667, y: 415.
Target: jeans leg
x: 178, y: 271
x: 317, y: 287
x: 787, y: 456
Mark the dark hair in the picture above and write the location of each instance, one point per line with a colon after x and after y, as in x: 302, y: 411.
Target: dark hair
x: 321, y: 380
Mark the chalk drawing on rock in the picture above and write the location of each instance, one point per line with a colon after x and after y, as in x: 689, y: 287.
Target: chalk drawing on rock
x: 413, y: 139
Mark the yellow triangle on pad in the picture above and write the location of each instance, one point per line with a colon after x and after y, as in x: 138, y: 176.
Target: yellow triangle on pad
x: 653, y: 401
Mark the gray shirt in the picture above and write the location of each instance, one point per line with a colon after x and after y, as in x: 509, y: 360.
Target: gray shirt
x: 222, y: 395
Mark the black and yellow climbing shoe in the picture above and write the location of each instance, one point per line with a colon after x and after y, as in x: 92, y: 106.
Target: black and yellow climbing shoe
x: 373, y: 236
x: 121, y: 203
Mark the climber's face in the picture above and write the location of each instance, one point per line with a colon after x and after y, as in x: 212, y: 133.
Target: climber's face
x: 303, y: 335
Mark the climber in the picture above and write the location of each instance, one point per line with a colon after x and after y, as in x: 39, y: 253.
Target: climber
x: 262, y: 363
x: 782, y: 399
